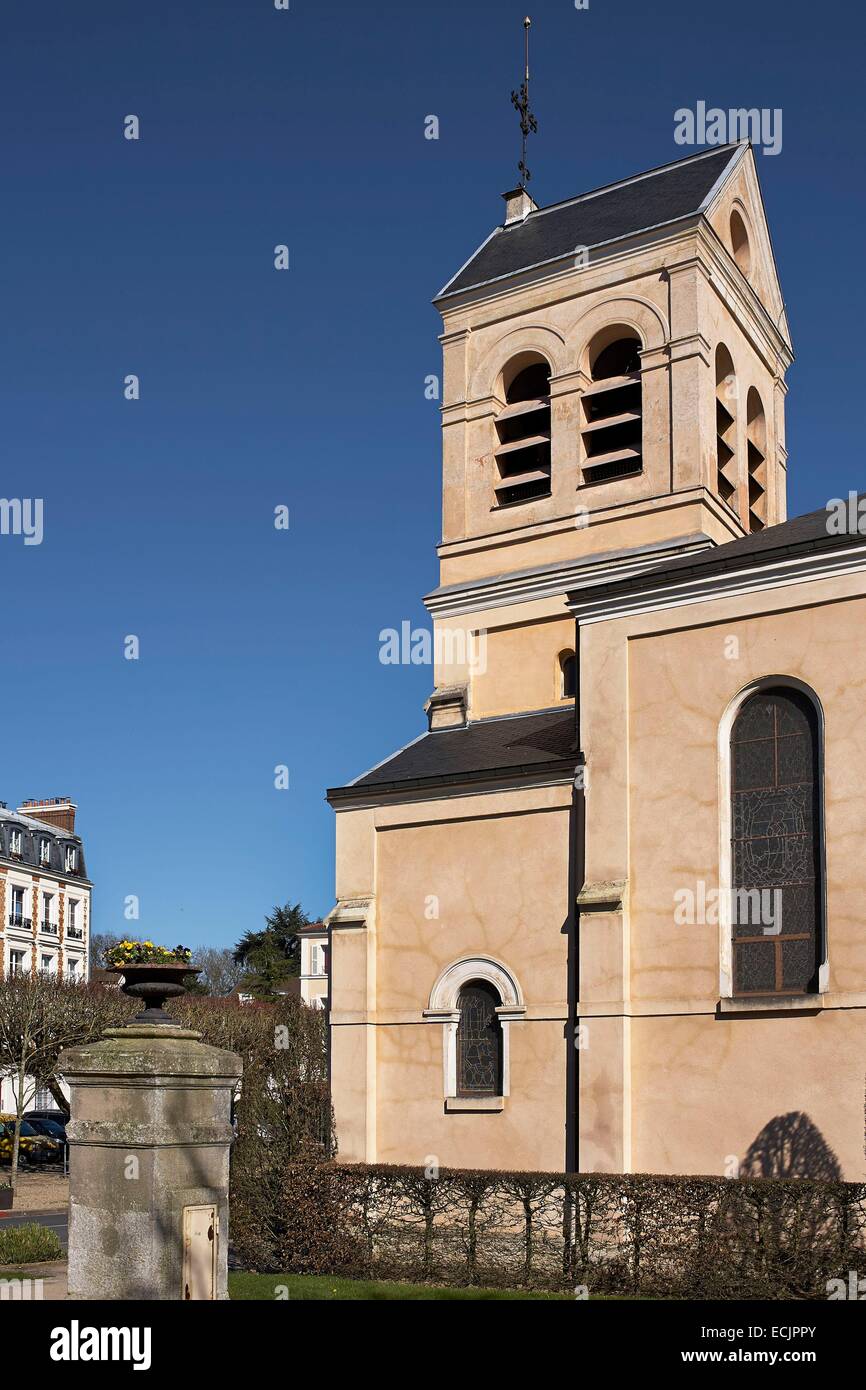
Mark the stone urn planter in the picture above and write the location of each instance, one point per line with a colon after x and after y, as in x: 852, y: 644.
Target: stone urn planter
x: 152, y: 985
x: 6, y: 1196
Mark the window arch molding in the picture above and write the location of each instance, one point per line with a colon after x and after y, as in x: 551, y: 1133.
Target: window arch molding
x: 443, y: 1007
x: 643, y: 318
x: 726, y: 727
x: 486, y: 377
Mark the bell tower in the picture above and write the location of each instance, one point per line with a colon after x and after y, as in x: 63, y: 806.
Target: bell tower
x: 613, y: 394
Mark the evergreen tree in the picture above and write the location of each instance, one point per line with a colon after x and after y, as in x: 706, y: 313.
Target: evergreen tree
x: 273, y: 955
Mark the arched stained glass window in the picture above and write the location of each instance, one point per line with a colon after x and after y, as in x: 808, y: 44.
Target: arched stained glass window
x: 479, y: 1041
x: 776, y: 856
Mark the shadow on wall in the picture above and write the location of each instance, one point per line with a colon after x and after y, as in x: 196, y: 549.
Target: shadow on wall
x: 791, y: 1146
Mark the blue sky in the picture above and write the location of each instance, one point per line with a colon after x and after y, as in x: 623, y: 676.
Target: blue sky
x: 306, y: 387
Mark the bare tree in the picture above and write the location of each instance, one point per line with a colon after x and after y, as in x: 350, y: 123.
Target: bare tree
x: 220, y: 972
x: 41, y: 1015
x: 99, y: 943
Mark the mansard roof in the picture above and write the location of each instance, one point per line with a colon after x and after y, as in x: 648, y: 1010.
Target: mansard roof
x: 520, y: 745
x: 633, y: 205
x: 34, y: 831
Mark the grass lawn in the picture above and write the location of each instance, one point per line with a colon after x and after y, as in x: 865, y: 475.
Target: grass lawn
x: 308, y: 1287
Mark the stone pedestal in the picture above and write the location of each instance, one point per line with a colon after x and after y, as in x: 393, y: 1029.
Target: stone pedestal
x: 149, y: 1164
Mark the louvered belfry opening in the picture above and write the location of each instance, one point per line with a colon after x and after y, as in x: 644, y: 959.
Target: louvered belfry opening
x: 523, y: 434
x: 479, y: 1041
x: 612, y: 428
x: 776, y: 845
x: 726, y: 427
x: 756, y: 435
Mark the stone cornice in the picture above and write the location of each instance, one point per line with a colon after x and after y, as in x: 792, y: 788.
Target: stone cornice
x: 525, y: 586
x: 607, y: 895
x: 350, y: 912
x: 766, y: 337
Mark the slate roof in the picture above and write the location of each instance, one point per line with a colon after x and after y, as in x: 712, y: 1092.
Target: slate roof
x: 545, y: 740
x: 645, y: 200
x: 799, y: 535
x: 523, y: 743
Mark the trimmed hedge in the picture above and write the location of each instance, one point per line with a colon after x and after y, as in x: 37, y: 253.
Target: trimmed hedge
x: 690, y: 1237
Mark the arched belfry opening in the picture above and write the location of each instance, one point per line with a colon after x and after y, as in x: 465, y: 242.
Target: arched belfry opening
x: 523, y: 431
x: 612, y: 428
x: 756, y: 450
x: 726, y: 427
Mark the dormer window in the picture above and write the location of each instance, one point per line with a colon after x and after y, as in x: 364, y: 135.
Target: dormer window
x: 71, y: 859
x: 522, y: 451
x: 612, y: 429
x: 44, y: 851
x: 16, y: 842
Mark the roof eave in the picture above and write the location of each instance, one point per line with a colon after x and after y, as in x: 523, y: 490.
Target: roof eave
x: 656, y: 585
x: 396, y: 788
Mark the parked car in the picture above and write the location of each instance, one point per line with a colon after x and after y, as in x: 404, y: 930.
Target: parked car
x: 56, y: 1115
x: 52, y: 1129
x: 33, y: 1147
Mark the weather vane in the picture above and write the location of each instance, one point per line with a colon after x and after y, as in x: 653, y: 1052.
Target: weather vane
x: 520, y: 102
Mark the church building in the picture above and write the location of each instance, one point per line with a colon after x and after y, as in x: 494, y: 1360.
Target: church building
x: 603, y: 914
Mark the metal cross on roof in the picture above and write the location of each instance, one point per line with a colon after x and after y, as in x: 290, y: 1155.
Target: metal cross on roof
x: 520, y: 102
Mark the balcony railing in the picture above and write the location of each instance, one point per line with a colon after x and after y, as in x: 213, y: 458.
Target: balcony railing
x: 17, y: 919
x: 75, y: 933
x: 50, y: 927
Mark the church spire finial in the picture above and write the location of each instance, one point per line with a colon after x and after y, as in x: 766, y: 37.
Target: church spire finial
x: 520, y: 102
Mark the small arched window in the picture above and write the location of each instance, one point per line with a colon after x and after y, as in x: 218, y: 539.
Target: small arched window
x: 776, y: 845
x: 756, y: 435
x: 740, y: 243
x: 726, y: 427
x: 612, y: 429
x: 568, y: 675
x: 479, y: 1041
x: 523, y: 432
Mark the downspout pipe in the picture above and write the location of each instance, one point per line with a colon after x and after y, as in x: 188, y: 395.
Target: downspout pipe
x: 576, y: 874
